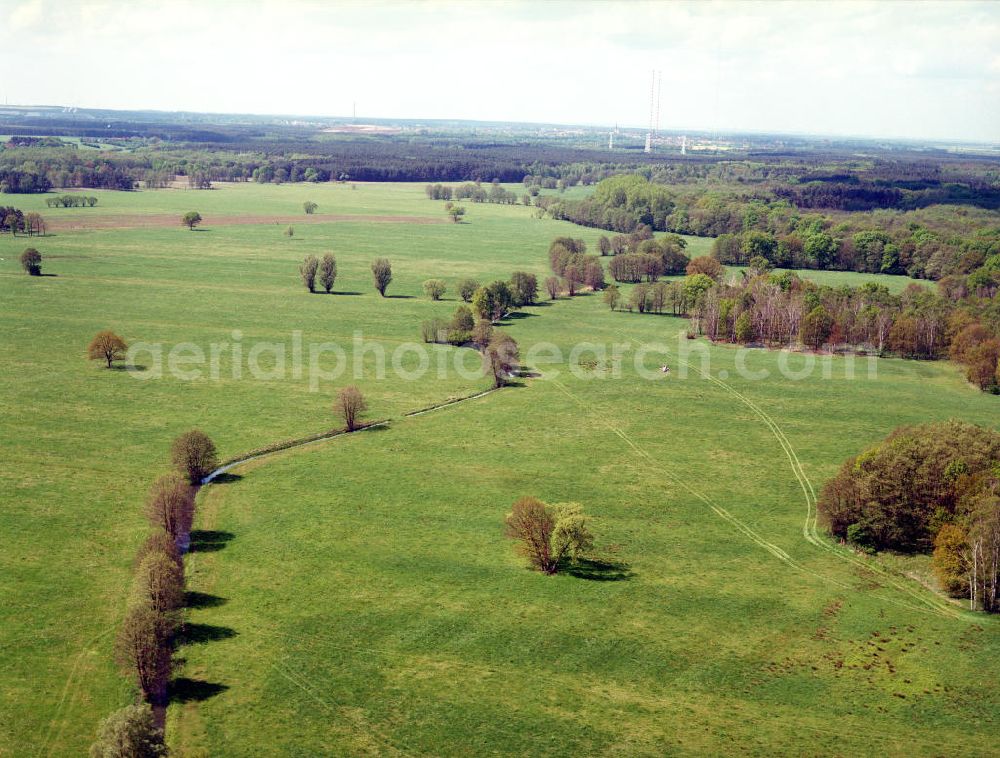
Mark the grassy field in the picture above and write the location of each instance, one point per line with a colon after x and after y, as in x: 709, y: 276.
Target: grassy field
x: 357, y: 596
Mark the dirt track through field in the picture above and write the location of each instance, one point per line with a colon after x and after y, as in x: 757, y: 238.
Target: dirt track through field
x: 165, y: 221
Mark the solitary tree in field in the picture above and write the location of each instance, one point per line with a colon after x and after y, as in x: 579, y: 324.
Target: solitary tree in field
x: 308, y: 272
x: 456, y: 212
x: 191, y: 219
x: 467, y: 288
x: 531, y: 523
x: 130, y: 731
x: 31, y: 261
x: 604, y: 244
x: 107, y: 346
x: 170, y: 505
x: 289, y: 232
x: 309, y: 207
x: 434, y: 289
x: 350, y: 404
x: 328, y: 272
x: 194, y: 455
x: 548, y: 535
x: 382, y: 274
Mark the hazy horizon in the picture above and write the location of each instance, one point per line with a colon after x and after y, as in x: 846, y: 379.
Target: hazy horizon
x: 915, y: 71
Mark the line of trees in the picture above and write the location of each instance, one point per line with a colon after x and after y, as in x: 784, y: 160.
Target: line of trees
x: 146, y: 639
x: 929, y: 487
x: 325, y: 270
x: 783, y: 310
x: 71, y: 201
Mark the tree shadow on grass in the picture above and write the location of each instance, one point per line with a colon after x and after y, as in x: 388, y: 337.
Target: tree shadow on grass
x: 129, y: 367
x: 346, y: 292
x: 199, y: 634
x: 399, y: 297
x: 184, y: 690
x: 203, y: 541
x: 516, y: 316
x: 194, y: 599
x: 599, y: 571
x: 226, y: 478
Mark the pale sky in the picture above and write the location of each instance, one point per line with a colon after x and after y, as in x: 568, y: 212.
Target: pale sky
x: 891, y: 69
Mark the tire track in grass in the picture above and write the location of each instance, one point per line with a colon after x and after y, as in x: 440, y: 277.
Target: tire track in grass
x: 810, y: 532
x: 288, y: 445
x: 334, y: 710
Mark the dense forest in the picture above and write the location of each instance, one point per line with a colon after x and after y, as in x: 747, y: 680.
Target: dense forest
x: 926, y: 214
x: 932, y: 242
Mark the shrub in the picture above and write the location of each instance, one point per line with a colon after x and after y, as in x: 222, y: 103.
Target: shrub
x: 194, y: 455
x: 612, y: 296
x: 434, y: 288
x: 308, y: 271
x: 462, y: 319
x: 350, y: 404
x: 328, y: 272
x: 309, y: 207
x: 467, y: 288
x: 130, y: 732
x: 382, y: 274
x: 435, y: 330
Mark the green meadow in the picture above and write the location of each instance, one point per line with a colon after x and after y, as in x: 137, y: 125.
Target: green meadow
x: 357, y: 596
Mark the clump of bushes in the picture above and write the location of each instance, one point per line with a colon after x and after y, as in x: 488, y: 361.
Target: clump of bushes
x: 454, y: 331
